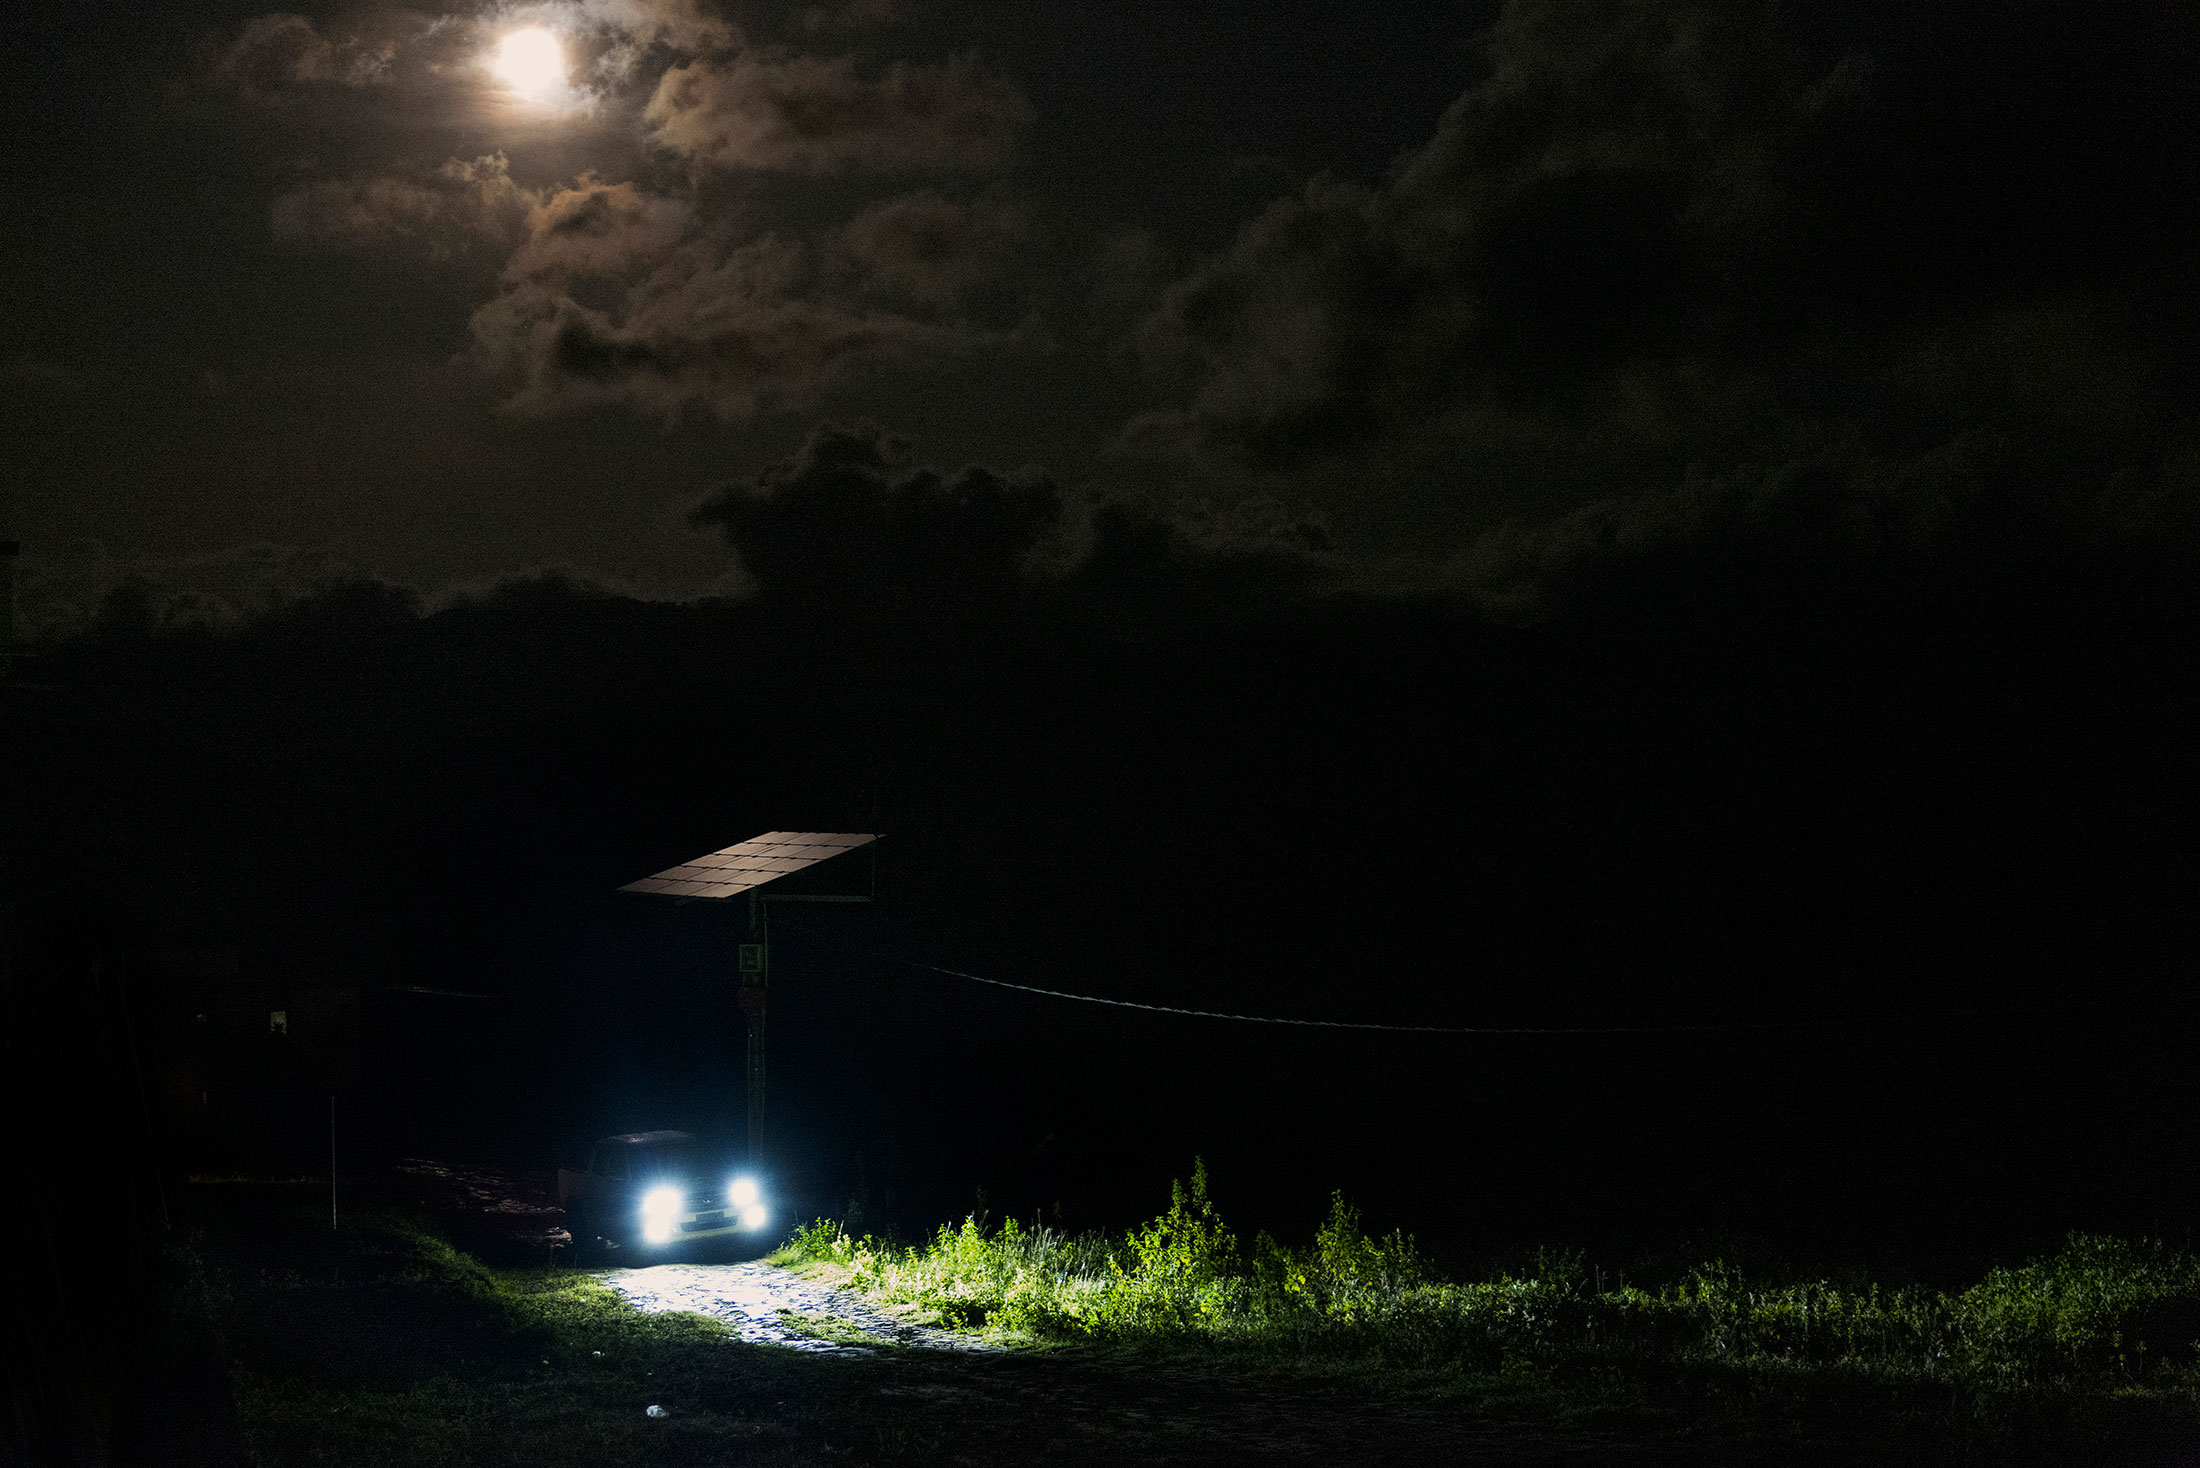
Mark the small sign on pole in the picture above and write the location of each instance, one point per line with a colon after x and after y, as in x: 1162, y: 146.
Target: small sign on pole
x: 745, y: 867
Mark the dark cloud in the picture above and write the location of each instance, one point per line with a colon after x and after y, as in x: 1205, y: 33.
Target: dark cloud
x: 1588, y: 206
x: 1655, y: 233
x: 851, y: 521
x: 929, y: 247
x: 445, y: 210
x: 1853, y: 519
x: 1254, y: 526
x: 851, y: 15
x: 778, y: 112
x: 87, y: 587
x: 1125, y: 275
x: 542, y: 589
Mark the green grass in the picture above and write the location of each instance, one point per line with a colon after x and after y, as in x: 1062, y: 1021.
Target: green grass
x: 385, y: 1344
x: 2102, y: 1322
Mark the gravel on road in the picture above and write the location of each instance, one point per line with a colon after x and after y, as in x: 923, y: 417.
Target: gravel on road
x: 770, y: 1306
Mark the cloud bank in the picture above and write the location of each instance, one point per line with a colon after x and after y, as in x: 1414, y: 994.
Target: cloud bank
x: 816, y: 114
x: 1652, y: 245
x: 447, y: 210
x: 633, y: 290
x: 1662, y: 234
x: 731, y: 329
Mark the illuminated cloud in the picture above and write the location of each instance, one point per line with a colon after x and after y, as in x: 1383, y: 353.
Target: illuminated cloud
x: 361, y: 66
x: 531, y: 62
x: 597, y: 229
x: 682, y: 25
x: 441, y: 65
x: 276, y: 53
x: 616, y: 291
x: 446, y: 210
x: 810, y: 114
x: 729, y: 330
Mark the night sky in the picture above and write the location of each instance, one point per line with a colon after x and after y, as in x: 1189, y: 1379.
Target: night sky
x: 1529, y: 514
x: 1428, y: 295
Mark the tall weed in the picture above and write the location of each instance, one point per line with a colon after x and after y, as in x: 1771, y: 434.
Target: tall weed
x: 2100, y: 1315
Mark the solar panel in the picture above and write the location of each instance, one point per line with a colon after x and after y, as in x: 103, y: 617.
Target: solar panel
x: 736, y: 869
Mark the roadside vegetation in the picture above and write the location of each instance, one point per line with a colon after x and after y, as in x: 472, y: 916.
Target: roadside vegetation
x: 1178, y: 1341
x: 2103, y: 1323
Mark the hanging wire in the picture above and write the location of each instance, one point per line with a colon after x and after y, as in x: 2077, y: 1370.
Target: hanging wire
x: 1342, y: 1024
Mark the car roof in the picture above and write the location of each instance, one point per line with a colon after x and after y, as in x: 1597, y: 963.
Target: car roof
x: 646, y: 1139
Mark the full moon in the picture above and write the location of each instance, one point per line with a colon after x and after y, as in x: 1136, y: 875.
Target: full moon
x: 532, y: 64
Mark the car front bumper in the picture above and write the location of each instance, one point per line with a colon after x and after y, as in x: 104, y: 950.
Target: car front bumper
x: 709, y: 1225
x: 706, y: 1223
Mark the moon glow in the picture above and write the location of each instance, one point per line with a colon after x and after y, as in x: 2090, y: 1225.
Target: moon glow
x: 532, y: 63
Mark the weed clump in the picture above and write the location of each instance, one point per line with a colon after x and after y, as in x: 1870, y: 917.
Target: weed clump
x: 2102, y: 1318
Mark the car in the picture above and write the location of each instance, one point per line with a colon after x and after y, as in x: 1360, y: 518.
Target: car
x: 645, y: 1194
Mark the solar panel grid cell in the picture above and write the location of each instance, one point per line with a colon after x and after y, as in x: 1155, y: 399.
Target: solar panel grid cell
x: 749, y: 864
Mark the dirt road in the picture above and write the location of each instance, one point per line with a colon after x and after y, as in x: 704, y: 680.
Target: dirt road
x: 768, y: 1306
x: 1088, y: 1407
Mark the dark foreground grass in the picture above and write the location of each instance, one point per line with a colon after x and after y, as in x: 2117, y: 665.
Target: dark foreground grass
x: 384, y: 1344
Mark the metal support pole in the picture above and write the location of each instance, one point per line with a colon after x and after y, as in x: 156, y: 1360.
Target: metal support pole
x: 332, y: 1162
x: 756, y: 1090
x: 755, y: 978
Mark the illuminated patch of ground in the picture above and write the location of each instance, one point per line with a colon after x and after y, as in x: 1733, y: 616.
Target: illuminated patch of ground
x: 768, y: 1306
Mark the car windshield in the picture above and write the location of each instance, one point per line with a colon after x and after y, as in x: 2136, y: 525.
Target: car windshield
x: 669, y: 1159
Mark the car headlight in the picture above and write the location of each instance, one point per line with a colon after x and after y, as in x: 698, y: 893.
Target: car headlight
x: 753, y: 1216
x: 661, y: 1208
x: 741, y: 1192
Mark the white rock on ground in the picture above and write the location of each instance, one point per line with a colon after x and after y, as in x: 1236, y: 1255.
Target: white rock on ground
x: 755, y: 1300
